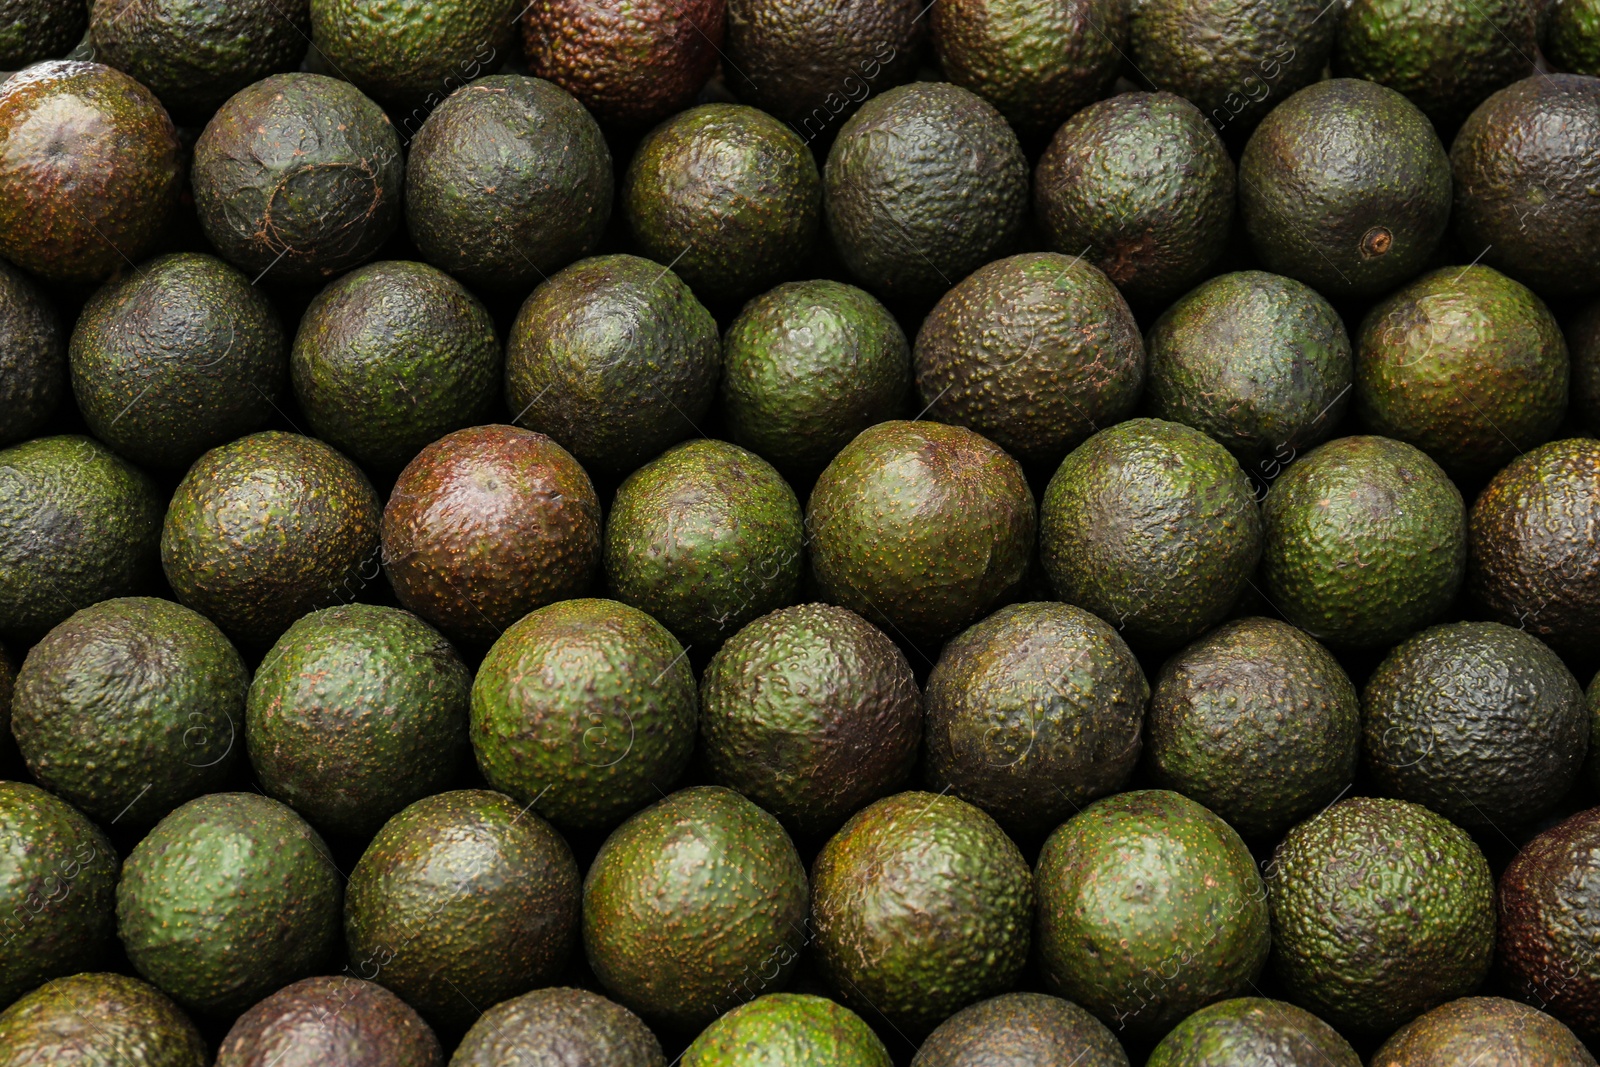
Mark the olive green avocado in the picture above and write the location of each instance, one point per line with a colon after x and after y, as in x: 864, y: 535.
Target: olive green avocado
x: 230, y: 897
x: 1345, y: 186
x: 31, y: 30
x: 1381, y: 910
x: 1583, y: 347
x: 951, y: 925
x: 57, y: 890
x: 410, y: 54
x: 94, y: 1020
x: 461, y: 900
x: 1140, y: 185
x: 1149, y: 907
x: 1467, y: 365
x: 921, y: 527
x: 487, y: 524
x: 585, y: 710
x: 78, y: 525
x: 356, y: 712
x: 1535, y: 545
x: 813, y: 713
x: 1035, y: 352
x: 806, y: 367
x: 391, y: 357
x: 788, y: 1030
x: 923, y: 185
x: 340, y: 1021
x: 266, y: 528
x: 681, y: 948
x: 297, y: 176
x: 1021, y: 1030
x: 507, y: 181
x: 570, y: 1027
x: 615, y: 359
x: 90, y: 172
x: 33, y: 356
x: 1259, y: 361
x: 1253, y: 1032
x: 1483, y: 1030
x: 1365, y: 542
x: 1572, y: 40
x: 1524, y: 165
x: 177, y: 357
x: 1032, y: 713
x: 1152, y: 526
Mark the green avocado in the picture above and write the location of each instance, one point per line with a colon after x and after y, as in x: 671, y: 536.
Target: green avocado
x: 31, y: 30
x: 411, y: 54
x: 1253, y: 1032
x: 33, y: 357
x: 341, y: 1022
x: 788, y: 1030
x: 1572, y: 41
x: 94, y: 1020
x: 1483, y: 1030
x: 1583, y: 346
x: 568, y: 1027
x: 1021, y: 1030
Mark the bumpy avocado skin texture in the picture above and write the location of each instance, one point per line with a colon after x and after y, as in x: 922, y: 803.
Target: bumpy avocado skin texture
x: 950, y: 926
x: 1019, y: 1029
x: 298, y: 176
x: 1572, y: 41
x: 391, y: 357
x: 1345, y: 187
x: 180, y: 356
x: 1258, y: 722
x: 1583, y: 345
x: 130, y: 708
x: 78, y: 525
x: 462, y: 899
x: 682, y: 951
x: 409, y: 53
x: 1034, y: 352
x: 1365, y: 542
x: 229, y: 898
x: 1483, y: 1030
x: 564, y: 1026
x: 92, y: 1019
x: 920, y: 527
x: 1152, y: 526
x: 1190, y: 901
x: 1259, y: 361
x: 788, y: 1030
x: 615, y: 359
x: 31, y: 30
x: 508, y: 180
x: 33, y: 357
x: 58, y: 883
x: 340, y: 1020
x: 1141, y: 185
x: 266, y: 528
x: 1381, y: 910
x: 585, y: 709
x: 924, y: 184
x: 356, y: 712
x: 1253, y: 1032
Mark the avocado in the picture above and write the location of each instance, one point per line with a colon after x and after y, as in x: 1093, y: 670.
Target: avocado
x: 1139, y: 883
x: 921, y: 905
x: 1258, y: 722
x: 33, y: 357
x: 726, y: 195
x: 408, y: 54
x: 1259, y: 361
x: 1253, y: 1032
x: 1035, y: 352
x: 1032, y: 713
x: 1535, y: 545
x: 339, y: 1021
x: 356, y: 712
x: 921, y: 527
x: 1365, y: 542
x: 176, y: 358
x: 615, y: 359
x: 95, y: 1020
x: 130, y: 708
x: 1524, y: 166
x: 229, y: 898
x: 297, y: 176
x: 788, y: 1030
x: 1483, y: 1030
x: 507, y: 181
x: 1152, y: 526
x: 90, y: 170
x: 806, y: 367
x: 585, y: 710
x: 462, y: 900
x: 1572, y: 41
x: 1345, y: 187
x: 569, y: 1027
x: 58, y: 892
x: 690, y: 902
x: 813, y: 713
x: 266, y: 528
x: 1021, y: 1030
x: 78, y: 525
x: 487, y: 524
x: 923, y: 185
x: 391, y: 357
x: 1381, y: 910
x: 1583, y: 346
x: 31, y: 30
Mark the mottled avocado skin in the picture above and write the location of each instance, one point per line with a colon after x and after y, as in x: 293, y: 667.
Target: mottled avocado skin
x: 33, y: 357
x: 564, y: 1026
x: 31, y: 30
x: 320, y: 1021
x: 1253, y: 1032
x: 1019, y: 1030
x: 792, y: 1029
x: 409, y: 53
x: 1483, y: 1030
x: 1572, y: 41
x: 89, y: 1020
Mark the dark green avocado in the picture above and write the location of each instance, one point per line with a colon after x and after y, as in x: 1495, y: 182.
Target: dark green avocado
x: 1483, y: 1030
x: 33, y: 357
x: 1253, y: 1032
x: 31, y: 30
x: 563, y: 1026
x: 1583, y: 348
x: 1021, y: 1030
x: 409, y: 54
x: 95, y: 1020
x: 1572, y: 40
x: 330, y: 1022
x: 788, y: 1030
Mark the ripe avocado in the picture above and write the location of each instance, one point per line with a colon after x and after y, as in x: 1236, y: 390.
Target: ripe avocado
x: 1572, y: 41
x: 330, y: 1022
x: 1021, y: 1030
x: 788, y: 1030
x: 31, y: 30
x: 1583, y: 344
x: 33, y: 357
x: 569, y: 1027
x: 94, y: 1020
x: 1253, y: 1032
x: 411, y: 54
x: 1483, y: 1030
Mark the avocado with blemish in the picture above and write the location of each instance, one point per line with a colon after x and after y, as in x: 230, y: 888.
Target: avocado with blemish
x: 409, y: 54
x: 788, y: 1030
x: 1483, y: 1030
x: 32, y: 30
x: 576, y: 1027
x: 1021, y: 1030
x: 33, y: 357
x: 91, y: 1020
x: 341, y: 1020
x: 1253, y: 1032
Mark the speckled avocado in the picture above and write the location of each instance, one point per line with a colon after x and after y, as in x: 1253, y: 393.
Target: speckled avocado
x: 410, y: 54
x: 33, y: 357
x: 788, y: 1030
x: 89, y: 1020
x: 581, y: 1028
x: 31, y: 30
x: 1483, y: 1030
x: 1253, y: 1032
x: 1019, y: 1029
x: 341, y: 1020
x: 1572, y: 39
